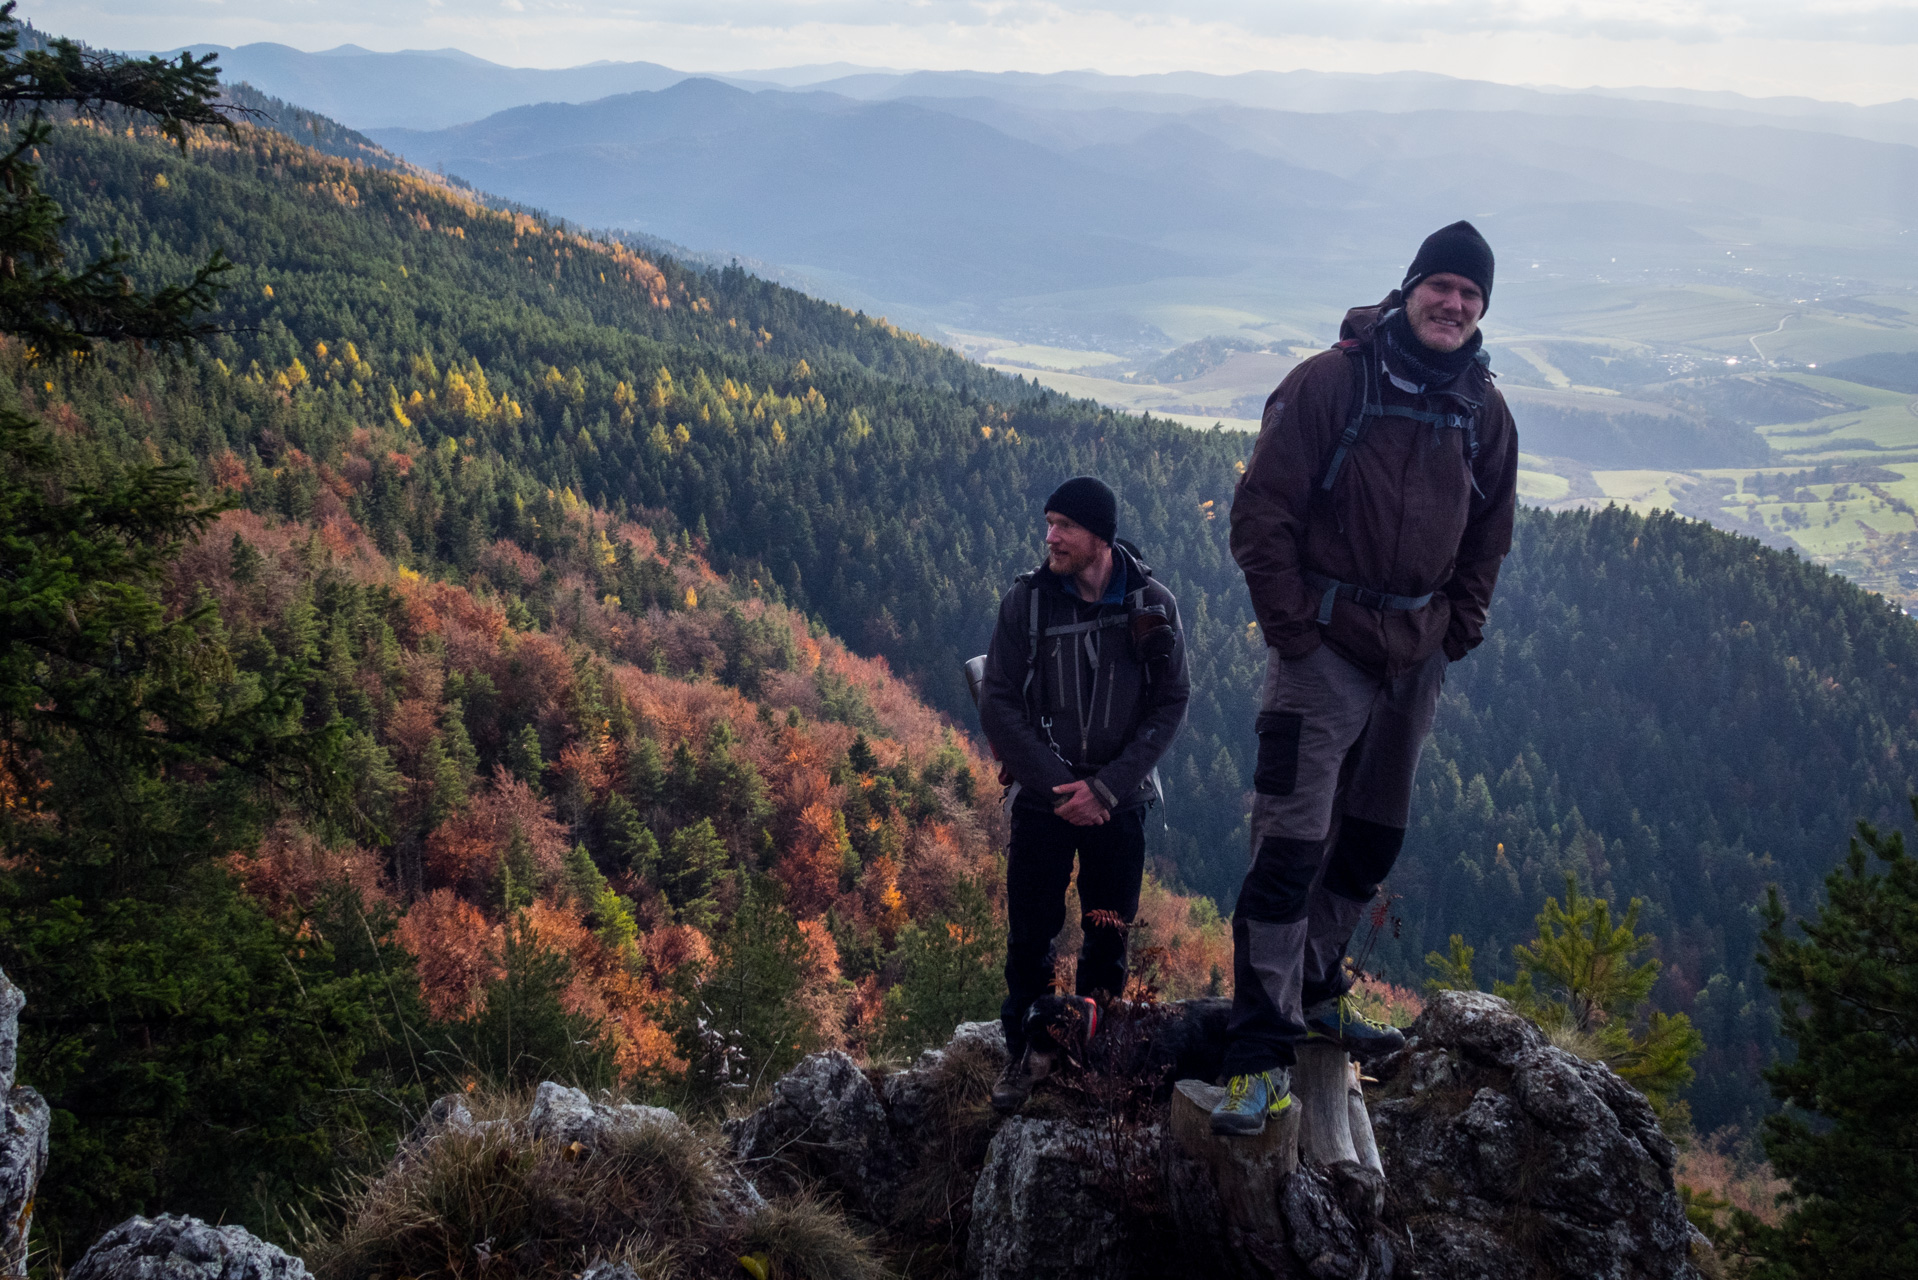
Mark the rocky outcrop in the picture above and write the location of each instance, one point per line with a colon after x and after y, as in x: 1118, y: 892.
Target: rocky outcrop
x: 1507, y: 1156
x: 1045, y: 1205
x: 24, y: 1122
x: 170, y: 1248
x: 1503, y: 1156
x: 827, y: 1121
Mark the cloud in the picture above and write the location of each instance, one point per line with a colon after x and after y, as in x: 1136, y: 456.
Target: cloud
x: 1386, y: 20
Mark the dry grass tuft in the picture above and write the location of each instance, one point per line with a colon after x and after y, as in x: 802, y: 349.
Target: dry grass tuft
x: 1581, y: 1044
x: 807, y: 1239
x: 492, y: 1203
x: 936, y: 1201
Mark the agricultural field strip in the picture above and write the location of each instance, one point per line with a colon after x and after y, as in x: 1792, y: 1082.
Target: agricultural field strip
x: 1888, y: 420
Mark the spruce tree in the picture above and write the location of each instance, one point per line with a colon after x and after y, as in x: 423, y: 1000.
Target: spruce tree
x: 1848, y: 1138
x: 195, y: 1051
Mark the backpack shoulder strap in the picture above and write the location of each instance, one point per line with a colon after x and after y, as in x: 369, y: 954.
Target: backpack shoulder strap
x: 1029, y: 580
x: 1363, y: 407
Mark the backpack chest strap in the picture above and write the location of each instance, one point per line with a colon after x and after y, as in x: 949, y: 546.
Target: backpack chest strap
x: 1094, y: 624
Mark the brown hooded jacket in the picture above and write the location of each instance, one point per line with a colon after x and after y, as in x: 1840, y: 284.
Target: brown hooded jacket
x: 1408, y: 514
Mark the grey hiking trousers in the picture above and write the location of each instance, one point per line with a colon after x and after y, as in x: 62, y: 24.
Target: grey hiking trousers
x: 1332, y: 793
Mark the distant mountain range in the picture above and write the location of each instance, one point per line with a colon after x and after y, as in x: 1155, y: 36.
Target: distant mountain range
x: 957, y: 204
x: 1131, y: 213
x: 434, y: 88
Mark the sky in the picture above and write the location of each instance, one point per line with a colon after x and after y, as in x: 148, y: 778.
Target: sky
x: 1842, y: 50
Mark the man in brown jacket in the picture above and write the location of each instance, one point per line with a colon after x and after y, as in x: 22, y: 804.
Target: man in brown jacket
x: 1370, y: 525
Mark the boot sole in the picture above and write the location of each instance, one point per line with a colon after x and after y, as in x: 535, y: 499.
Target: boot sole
x: 1232, y: 1129
x: 1358, y: 1049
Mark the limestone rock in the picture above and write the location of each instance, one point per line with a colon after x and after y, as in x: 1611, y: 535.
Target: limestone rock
x: 604, y: 1270
x: 24, y: 1121
x: 911, y: 1096
x: 1482, y: 1026
x: 1038, y: 1208
x: 11, y: 1002
x: 826, y: 1121
x: 180, y: 1248
x: 1499, y: 1145
x: 564, y: 1116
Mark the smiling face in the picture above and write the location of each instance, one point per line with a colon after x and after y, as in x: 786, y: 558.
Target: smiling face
x: 1071, y: 548
x: 1444, y: 310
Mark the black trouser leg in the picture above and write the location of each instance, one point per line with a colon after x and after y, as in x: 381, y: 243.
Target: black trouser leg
x: 1111, y: 867
x: 1268, y: 954
x: 1362, y: 856
x: 1038, y: 868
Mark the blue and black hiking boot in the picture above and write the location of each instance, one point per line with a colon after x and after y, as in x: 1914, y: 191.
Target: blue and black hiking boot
x: 1250, y: 1099
x: 1340, y: 1021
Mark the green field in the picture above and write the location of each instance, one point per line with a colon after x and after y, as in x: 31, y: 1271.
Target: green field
x: 1887, y: 424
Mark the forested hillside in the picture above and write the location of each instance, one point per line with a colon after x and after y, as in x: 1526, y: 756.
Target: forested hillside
x: 464, y: 779
x: 1665, y: 710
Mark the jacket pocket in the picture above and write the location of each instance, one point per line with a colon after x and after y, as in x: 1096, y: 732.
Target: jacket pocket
x: 1277, y: 771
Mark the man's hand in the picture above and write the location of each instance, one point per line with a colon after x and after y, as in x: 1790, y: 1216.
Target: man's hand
x: 1076, y: 803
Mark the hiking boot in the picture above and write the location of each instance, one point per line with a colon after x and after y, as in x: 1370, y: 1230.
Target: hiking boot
x: 1340, y: 1021
x: 1250, y: 1099
x: 1014, y: 1085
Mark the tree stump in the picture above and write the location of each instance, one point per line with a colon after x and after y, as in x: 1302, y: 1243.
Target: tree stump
x: 1334, y: 1125
x: 1311, y: 1180
x: 1223, y: 1192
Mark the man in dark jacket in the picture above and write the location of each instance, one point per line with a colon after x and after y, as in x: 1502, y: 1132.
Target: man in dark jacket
x: 1370, y: 525
x: 1084, y: 689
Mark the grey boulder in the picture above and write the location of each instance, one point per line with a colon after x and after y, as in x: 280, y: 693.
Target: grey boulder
x: 826, y: 1121
x: 565, y: 1116
x: 180, y: 1248
x: 24, y: 1121
x: 1491, y: 1134
x: 1043, y: 1205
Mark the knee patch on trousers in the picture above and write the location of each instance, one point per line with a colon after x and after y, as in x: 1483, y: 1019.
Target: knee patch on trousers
x: 1277, y: 771
x: 1279, y: 884
x: 1364, y: 855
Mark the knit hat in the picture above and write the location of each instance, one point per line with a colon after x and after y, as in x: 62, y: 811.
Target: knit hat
x: 1458, y: 249
x: 1088, y: 503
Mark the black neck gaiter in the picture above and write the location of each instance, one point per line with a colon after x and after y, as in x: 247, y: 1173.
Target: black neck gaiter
x: 1417, y: 362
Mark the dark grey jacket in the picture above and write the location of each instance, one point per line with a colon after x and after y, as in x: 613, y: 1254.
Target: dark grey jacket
x: 1110, y: 721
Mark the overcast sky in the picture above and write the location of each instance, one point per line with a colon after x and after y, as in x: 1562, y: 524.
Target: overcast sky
x: 1849, y: 50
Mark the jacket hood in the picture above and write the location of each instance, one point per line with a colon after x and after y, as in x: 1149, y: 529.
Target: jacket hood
x: 1360, y: 322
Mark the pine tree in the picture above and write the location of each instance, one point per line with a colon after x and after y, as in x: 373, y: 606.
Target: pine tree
x: 135, y: 726
x: 1595, y: 990
x: 739, y: 1023
x: 690, y: 872
x: 523, y: 1033
x: 1848, y: 1142
x: 948, y: 973
x: 630, y: 845
x: 524, y: 760
x: 1453, y: 970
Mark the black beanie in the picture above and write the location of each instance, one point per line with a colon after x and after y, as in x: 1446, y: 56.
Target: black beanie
x: 1088, y: 503
x: 1459, y: 249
